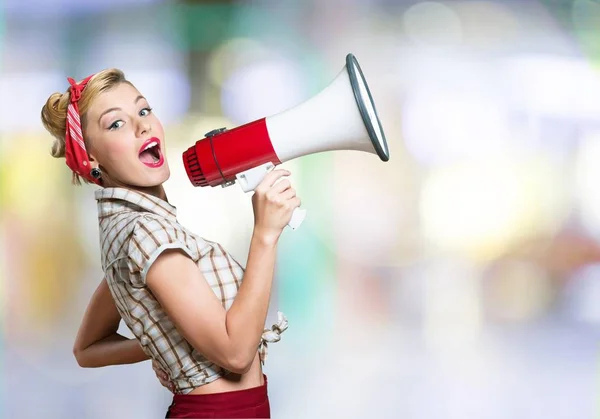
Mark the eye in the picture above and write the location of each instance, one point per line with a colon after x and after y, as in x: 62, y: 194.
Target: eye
x: 115, y: 125
x: 145, y: 111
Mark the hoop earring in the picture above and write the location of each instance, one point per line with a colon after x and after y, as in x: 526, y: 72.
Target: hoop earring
x: 96, y: 173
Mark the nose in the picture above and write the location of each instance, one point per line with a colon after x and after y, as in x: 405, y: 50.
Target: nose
x: 143, y: 127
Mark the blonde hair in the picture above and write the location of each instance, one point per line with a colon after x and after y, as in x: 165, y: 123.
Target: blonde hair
x: 54, y: 112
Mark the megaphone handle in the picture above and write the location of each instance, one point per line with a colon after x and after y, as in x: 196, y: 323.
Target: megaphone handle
x: 250, y: 179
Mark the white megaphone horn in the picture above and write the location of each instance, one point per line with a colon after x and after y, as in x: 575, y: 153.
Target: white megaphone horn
x: 340, y: 117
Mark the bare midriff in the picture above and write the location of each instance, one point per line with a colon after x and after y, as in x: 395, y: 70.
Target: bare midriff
x: 234, y: 382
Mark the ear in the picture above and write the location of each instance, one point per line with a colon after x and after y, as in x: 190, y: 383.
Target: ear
x: 91, y: 154
x: 89, y: 147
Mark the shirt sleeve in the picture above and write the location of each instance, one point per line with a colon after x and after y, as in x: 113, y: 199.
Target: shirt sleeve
x: 150, y: 237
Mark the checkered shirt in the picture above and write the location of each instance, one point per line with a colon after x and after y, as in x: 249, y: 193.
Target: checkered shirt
x: 134, y: 229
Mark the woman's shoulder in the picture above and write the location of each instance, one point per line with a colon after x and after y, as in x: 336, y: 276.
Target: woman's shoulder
x: 159, y: 226
x: 152, y: 231
x: 134, y: 232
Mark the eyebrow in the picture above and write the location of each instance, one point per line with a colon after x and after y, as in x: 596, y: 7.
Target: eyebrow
x: 137, y: 99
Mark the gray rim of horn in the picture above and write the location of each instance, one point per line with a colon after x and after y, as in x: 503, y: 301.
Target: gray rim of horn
x: 351, y: 62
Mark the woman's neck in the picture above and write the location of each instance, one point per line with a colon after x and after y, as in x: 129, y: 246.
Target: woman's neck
x: 157, y: 191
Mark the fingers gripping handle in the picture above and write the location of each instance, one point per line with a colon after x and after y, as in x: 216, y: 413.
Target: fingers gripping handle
x: 250, y: 179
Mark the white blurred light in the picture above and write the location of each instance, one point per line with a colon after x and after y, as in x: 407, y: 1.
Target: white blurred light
x: 452, y: 311
x: 443, y: 124
x: 482, y: 208
x: 262, y: 89
x: 549, y: 85
x: 430, y: 22
x: 455, y: 110
x: 587, y: 173
x: 368, y: 210
x: 24, y: 94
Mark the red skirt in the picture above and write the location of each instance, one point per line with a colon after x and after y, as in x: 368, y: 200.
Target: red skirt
x: 249, y: 403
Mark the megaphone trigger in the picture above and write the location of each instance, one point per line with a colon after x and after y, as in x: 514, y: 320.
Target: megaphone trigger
x: 250, y: 179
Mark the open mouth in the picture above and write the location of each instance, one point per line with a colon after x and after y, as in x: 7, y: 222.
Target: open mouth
x: 150, y: 153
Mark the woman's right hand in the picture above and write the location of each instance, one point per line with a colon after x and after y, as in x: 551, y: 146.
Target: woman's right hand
x: 274, y: 201
x: 162, y: 376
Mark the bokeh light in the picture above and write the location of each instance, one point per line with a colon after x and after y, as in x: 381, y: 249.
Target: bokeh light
x: 449, y: 125
x: 481, y: 209
x: 262, y: 89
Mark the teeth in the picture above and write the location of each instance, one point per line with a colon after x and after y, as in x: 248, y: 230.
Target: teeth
x: 152, y: 144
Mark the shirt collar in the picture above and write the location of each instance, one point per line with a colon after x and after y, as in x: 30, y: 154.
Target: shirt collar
x: 114, y: 200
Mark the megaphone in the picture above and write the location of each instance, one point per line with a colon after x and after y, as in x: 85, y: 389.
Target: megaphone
x: 340, y: 117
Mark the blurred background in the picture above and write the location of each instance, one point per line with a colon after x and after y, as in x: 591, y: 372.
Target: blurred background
x: 459, y: 280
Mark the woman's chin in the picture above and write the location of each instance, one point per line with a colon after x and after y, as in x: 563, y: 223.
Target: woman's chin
x: 157, y: 176
x: 155, y: 181
x: 148, y: 182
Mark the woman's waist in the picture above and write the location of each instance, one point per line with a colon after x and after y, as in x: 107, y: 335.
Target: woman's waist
x: 233, y: 382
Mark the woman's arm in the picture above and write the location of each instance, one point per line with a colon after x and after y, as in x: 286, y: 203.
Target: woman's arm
x: 228, y: 338
x: 98, y: 344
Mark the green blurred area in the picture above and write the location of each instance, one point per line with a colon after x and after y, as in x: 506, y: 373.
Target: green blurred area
x: 582, y: 19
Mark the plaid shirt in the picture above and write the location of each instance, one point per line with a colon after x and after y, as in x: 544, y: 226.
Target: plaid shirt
x: 134, y: 229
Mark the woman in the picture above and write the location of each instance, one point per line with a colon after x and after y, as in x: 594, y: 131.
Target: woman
x: 182, y: 296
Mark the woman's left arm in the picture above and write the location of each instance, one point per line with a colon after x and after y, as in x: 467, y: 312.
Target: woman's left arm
x: 98, y: 344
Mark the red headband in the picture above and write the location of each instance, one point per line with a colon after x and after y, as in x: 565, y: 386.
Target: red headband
x: 75, y: 152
